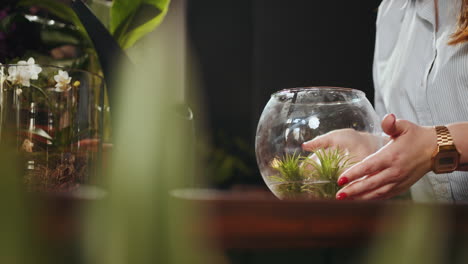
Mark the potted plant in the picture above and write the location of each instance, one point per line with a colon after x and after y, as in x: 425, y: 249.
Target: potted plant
x: 50, y: 113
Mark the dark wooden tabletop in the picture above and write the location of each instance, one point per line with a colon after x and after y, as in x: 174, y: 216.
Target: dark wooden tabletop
x: 258, y: 220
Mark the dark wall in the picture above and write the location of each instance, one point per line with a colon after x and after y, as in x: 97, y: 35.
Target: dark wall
x: 220, y: 33
x: 306, y: 43
x: 248, y: 49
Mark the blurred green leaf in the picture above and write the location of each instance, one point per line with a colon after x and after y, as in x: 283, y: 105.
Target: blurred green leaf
x: 13, y: 224
x: 419, y: 238
x: 131, y: 20
x: 58, y: 9
x: 58, y: 37
x: 101, y: 10
x: 140, y: 222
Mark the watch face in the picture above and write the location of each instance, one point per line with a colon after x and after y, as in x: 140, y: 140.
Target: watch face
x: 445, y: 162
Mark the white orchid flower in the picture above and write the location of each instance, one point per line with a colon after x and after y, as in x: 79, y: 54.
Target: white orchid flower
x: 33, y: 69
x: 19, y: 75
x: 63, y: 81
x: 24, y: 72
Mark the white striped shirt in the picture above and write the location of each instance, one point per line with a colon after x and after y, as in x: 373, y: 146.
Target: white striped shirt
x: 420, y: 78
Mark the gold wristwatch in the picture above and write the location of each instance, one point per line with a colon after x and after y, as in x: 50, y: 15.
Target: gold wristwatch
x: 446, y: 157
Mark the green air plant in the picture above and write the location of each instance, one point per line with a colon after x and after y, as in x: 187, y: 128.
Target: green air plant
x: 309, y: 177
x: 290, y: 180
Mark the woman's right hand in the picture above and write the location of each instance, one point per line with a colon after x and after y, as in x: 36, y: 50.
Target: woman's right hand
x: 358, y: 144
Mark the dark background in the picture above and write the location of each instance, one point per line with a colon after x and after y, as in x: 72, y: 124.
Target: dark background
x: 248, y: 49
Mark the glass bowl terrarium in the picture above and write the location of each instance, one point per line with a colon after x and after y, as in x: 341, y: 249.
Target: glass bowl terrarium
x: 294, y: 116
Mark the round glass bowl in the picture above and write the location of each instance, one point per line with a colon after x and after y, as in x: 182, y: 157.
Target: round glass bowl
x: 294, y: 116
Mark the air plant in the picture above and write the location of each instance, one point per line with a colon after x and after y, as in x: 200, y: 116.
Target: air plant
x: 314, y: 176
x: 291, y: 175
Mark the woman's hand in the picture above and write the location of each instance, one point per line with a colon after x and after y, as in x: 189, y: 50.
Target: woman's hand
x: 395, y: 167
x: 359, y: 144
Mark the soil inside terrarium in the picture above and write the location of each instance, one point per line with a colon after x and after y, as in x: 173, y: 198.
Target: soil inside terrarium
x: 51, y: 168
x: 56, y: 172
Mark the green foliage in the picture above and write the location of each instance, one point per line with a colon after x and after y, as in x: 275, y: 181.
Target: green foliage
x: 420, y: 236
x: 13, y: 223
x: 289, y: 167
x: 331, y: 163
x: 131, y: 20
x: 301, y: 176
x: 58, y: 9
x: 228, y: 158
x: 140, y: 222
x: 70, y: 32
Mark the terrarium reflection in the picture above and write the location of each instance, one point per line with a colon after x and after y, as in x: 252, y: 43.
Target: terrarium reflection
x: 295, y: 116
x: 54, y: 117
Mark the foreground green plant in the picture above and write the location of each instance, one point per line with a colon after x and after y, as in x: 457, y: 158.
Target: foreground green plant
x: 310, y: 177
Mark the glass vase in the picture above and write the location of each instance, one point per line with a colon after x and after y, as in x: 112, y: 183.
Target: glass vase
x: 53, y: 116
x: 294, y: 116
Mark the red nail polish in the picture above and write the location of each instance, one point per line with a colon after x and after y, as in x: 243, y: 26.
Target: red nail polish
x: 341, y: 196
x: 342, y: 181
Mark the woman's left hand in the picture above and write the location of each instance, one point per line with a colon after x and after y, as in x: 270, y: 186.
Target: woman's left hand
x: 395, y: 167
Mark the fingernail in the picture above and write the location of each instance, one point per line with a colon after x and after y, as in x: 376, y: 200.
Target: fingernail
x: 390, y: 116
x: 341, y: 196
x: 394, y: 118
x: 342, y: 181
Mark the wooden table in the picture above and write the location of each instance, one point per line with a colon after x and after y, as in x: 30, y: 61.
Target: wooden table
x: 251, y: 226
x: 257, y: 220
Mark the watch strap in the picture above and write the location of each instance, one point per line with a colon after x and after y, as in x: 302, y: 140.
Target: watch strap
x: 443, y: 136
x: 462, y: 167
